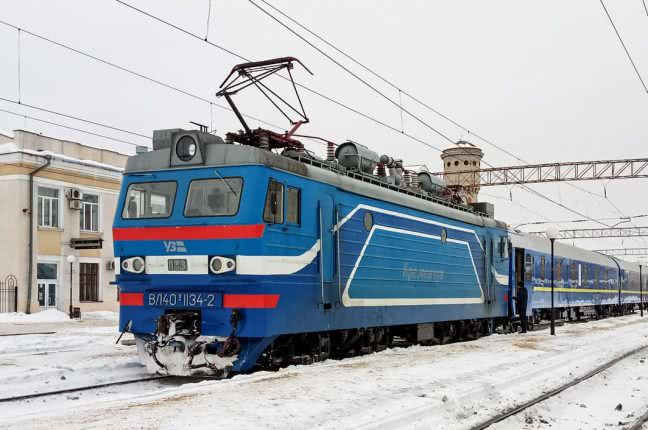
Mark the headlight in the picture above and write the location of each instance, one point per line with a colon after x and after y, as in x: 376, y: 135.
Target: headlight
x: 186, y: 148
x: 221, y: 265
x: 133, y: 265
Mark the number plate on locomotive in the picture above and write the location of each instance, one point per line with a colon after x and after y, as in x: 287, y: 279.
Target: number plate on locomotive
x: 183, y: 300
x: 177, y: 265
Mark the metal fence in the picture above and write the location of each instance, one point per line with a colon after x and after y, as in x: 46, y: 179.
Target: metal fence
x: 9, y: 294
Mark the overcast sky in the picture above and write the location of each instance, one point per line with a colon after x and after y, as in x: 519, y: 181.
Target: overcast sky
x: 547, y: 81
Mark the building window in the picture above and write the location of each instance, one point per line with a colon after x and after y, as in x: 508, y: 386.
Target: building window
x: 89, y: 218
x: 273, y: 211
x: 88, y: 282
x: 293, y: 206
x: 48, y: 207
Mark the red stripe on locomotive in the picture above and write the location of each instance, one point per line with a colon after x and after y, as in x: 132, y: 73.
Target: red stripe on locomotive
x: 250, y: 301
x: 249, y: 231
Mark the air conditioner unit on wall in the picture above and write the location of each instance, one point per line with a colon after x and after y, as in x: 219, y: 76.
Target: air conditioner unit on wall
x: 76, y: 204
x: 75, y: 194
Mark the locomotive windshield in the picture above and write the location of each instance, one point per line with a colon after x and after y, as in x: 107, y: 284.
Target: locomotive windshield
x: 149, y: 200
x: 214, y: 197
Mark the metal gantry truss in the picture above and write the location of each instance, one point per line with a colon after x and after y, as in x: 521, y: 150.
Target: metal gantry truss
x: 624, y: 251
x: 598, y: 233
x: 552, y: 172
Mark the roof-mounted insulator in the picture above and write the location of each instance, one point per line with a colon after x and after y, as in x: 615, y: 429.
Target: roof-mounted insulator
x: 330, y: 151
x: 414, y: 180
x: 407, y: 179
x: 264, y: 142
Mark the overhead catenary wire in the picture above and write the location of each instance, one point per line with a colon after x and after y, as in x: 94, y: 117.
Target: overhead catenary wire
x: 77, y: 118
x: 390, y: 83
x: 70, y: 127
x: 349, y: 71
x: 407, y: 93
x: 396, y: 103
x: 306, y: 88
x: 121, y: 68
x: 634, y: 66
x: 195, y: 36
x: 19, y: 66
x: 132, y: 72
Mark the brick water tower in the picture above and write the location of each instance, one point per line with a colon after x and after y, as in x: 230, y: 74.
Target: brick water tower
x: 463, y: 157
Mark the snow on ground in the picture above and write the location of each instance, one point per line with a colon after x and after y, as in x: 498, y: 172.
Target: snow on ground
x: 50, y: 315
x: 614, y: 398
x: 100, y: 315
x: 441, y: 387
x: 78, y: 354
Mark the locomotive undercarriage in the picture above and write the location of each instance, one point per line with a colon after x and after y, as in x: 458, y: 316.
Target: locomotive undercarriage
x: 307, y: 348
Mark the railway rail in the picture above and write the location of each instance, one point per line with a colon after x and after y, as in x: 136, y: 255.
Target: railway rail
x: 79, y: 389
x: 638, y: 424
x: 524, y: 406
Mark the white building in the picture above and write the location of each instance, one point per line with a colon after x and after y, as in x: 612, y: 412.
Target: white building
x: 74, y: 190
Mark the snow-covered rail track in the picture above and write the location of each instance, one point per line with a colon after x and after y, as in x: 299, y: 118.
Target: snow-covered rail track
x: 638, y: 424
x: 545, y: 396
x: 84, y: 388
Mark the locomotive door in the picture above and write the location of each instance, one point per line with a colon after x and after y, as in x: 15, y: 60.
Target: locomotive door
x: 327, y: 244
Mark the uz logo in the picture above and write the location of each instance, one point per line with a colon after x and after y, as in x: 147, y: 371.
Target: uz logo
x: 174, y: 246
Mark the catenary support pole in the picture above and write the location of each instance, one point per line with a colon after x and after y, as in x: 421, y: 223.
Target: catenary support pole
x: 553, y: 316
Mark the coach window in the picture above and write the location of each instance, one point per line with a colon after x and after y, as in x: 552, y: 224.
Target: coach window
x: 584, y: 274
x: 596, y: 276
x: 543, y: 268
x: 293, y: 206
x: 573, y: 275
x: 558, y: 270
x: 274, y: 204
x: 528, y: 268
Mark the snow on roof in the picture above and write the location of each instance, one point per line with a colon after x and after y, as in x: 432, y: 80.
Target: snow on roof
x: 12, y: 147
x: 6, y: 148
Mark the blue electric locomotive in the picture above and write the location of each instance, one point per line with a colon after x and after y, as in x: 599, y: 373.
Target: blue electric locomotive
x: 252, y: 252
x: 223, y: 256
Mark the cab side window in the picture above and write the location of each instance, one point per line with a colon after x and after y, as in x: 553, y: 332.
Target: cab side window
x: 293, y: 206
x: 273, y: 211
